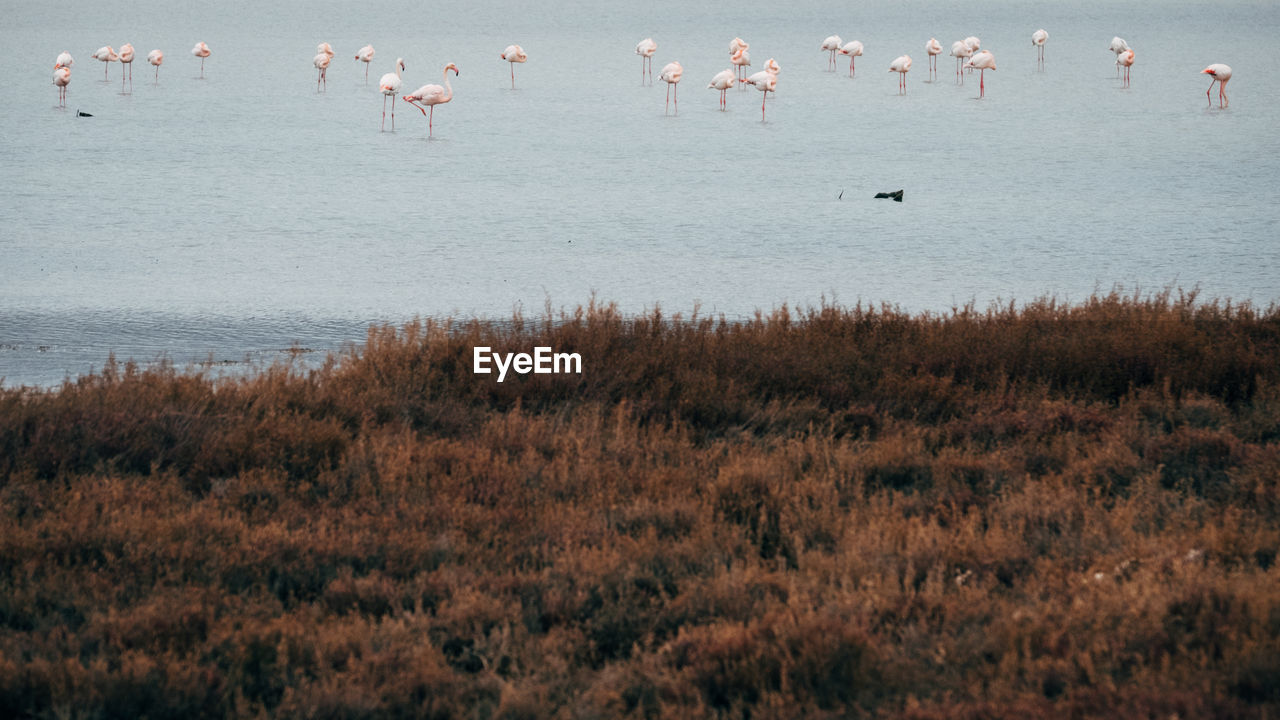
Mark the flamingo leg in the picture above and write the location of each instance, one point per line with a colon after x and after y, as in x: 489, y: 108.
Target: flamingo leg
x: 366, y: 73
x: 668, y: 107
x: 513, y: 75
x: 157, y: 74
x: 766, y: 97
x: 201, y: 67
x: 982, y: 83
x: 1223, y: 100
x: 677, y: 94
x: 384, y: 113
x: 393, y: 113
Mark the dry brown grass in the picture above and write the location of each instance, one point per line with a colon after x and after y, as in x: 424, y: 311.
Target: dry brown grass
x: 1058, y: 510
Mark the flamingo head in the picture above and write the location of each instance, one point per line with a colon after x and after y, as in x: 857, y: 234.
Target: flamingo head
x: 1209, y: 71
x: 401, y: 64
x: 452, y: 67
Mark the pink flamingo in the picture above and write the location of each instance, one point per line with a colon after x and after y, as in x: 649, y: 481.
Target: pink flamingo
x: 433, y: 95
x: 645, y: 49
x: 741, y: 60
x: 832, y: 45
x: 671, y: 74
x: 901, y: 65
x: 106, y: 54
x: 126, y: 58
x: 514, y: 54
x: 766, y: 82
x: 1220, y: 74
x: 722, y: 82
x: 961, y: 52
x: 155, y: 57
x: 934, y: 48
x: 61, y: 78
x: 1125, y: 59
x: 321, y: 62
x: 389, y: 85
x: 983, y: 60
x: 853, y: 49
x: 201, y: 51
x: 365, y: 55
x: 1039, y: 38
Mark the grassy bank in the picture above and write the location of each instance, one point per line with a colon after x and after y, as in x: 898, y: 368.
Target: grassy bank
x: 1047, y: 511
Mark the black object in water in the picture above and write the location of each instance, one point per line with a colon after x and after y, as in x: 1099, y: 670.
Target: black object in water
x: 82, y: 114
x: 897, y: 196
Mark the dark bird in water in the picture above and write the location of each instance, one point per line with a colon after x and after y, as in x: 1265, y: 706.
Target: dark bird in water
x: 82, y: 114
x: 897, y: 196
x: 841, y: 195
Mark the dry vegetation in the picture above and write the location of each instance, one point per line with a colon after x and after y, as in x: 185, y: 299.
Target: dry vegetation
x: 1049, y: 511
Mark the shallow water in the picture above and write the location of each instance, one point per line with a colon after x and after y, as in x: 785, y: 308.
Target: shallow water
x: 244, y: 214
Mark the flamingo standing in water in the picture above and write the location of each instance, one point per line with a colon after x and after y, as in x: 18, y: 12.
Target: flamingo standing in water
x: 832, y: 45
x: 853, y: 49
x: 1118, y: 45
x: 155, y: 57
x: 514, y: 54
x: 934, y: 48
x: 901, y: 65
x: 766, y: 82
x: 126, y: 58
x: 1220, y: 74
x: 201, y: 51
x: 645, y: 49
x: 365, y: 55
x: 671, y: 74
x: 983, y: 61
x: 1039, y: 38
x: 1125, y: 59
x: 106, y: 54
x: 321, y: 61
x: 974, y: 45
x: 739, y: 56
x: 433, y: 95
x: 61, y: 78
x: 741, y: 60
x: 722, y: 82
x: 961, y: 52
x: 389, y: 85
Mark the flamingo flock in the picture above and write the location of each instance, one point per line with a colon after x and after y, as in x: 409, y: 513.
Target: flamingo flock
x: 969, y: 55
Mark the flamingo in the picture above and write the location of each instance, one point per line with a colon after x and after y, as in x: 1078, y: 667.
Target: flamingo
x: 741, y: 60
x: 853, y: 49
x: 514, y: 54
x: 983, y: 61
x: 155, y: 57
x: 1039, y: 38
x: 737, y: 44
x: 325, y: 48
x: 201, y: 51
x: 722, y: 81
x: 389, y: 85
x: 106, y: 54
x: 1126, y: 59
x: 1118, y: 45
x: 934, y: 48
x: 321, y: 61
x: 901, y: 65
x: 974, y: 44
x: 671, y: 74
x: 1220, y: 74
x: 365, y: 55
x: 645, y: 49
x: 766, y: 82
x: 126, y: 58
x: 61, y: 78
x: 832, y: 45
x: 65, y: 59
x: 961, y: 52
x: 433, y: 95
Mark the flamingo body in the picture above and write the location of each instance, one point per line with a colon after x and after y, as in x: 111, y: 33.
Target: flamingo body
x: 106, y: 54
x: 321, y: 63
x: 61, y: 79
x: 389, y: 85
x: 432, y: 95
x: 1125, y: 60
x: 1038, y: 39
x: 514, y: 54
x: 126, y: 58
x: 65, y: 60
x: 853, y: 49
x: 741, y: 60
x: 934, y: 49
x: 645, y: 49
x: 982, y: 61
x: 671, y: 74
x: 766, y: 82
x: 365, y: 55
x: 902, y: 66
x: 156, y: 58
x: 722, y: 81
x: 1220, y: 74
x: 201, y: 51
x: 832, y: 45
x: 961, y: 52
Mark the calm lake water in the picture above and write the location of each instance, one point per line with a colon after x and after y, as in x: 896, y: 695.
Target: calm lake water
x: 234, y: 217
